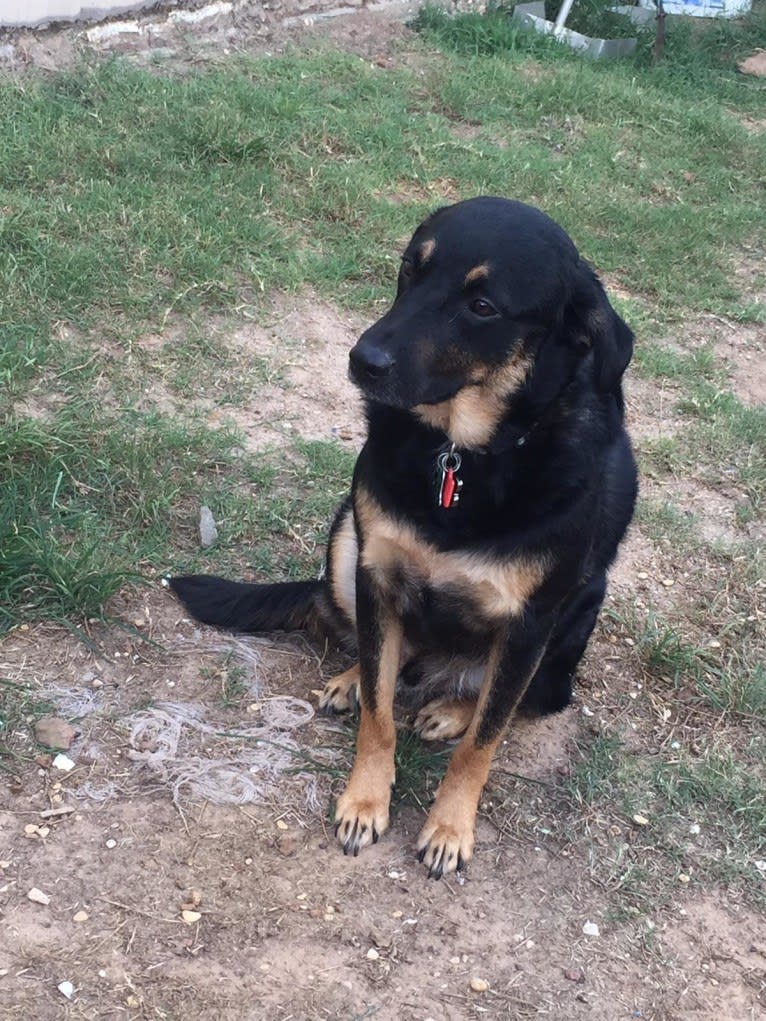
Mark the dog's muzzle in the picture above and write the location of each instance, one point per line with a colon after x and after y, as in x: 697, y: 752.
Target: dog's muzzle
x: 369, y: 363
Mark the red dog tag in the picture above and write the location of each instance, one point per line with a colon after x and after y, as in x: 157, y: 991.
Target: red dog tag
x: 448, y: 482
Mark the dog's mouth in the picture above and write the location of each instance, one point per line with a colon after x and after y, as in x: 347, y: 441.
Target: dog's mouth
x: 393, y: 392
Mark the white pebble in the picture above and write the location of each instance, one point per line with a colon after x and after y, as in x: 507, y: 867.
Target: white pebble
x: 591, y: 929
x: 66, y: 989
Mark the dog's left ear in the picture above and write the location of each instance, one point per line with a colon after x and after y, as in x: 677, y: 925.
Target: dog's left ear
x: 590, y: 320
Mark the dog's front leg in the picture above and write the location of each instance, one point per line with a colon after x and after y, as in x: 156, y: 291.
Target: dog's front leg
x: 361, y: 813
x: 446, y: 841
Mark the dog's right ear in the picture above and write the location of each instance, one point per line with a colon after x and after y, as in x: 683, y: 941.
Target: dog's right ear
x: 591, y: 322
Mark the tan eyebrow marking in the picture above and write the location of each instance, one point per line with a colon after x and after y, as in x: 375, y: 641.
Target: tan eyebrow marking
x: 480, y: 272
x: 427, y: 249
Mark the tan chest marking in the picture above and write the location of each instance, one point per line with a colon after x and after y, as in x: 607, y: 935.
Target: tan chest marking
x: 498, y: 589
x: 343, y: 555
x: 472, y: 416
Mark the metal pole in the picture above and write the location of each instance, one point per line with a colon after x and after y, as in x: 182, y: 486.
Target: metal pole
x: 562, y: 16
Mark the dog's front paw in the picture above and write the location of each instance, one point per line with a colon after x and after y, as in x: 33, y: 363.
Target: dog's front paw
x: 445, y: 843
x: 443, y: 719
x: 341, y: 694
x: 360, y: 819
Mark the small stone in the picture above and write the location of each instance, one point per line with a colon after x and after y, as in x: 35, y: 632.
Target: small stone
x: 38, y: 896
x: 683, y: 878
x: 190, y: 917
x: 111, y: 843
x: 54, y: 732
x: 642, y: 575
x: 695, y: 829
x: 667, y: 582
x: 574, y: 974
x: 761, y: 865
x: 479, y: 985
x: 5, y: 864
x: 66, y: 989
x: 281, y: 824
x: 454, y: 960
x: 372, y: 954
x: 640, y: 820
x: 63, y: 762
x: 591, y: 929
x: 208, y: 533
x: 192, y: 901
x: 81, y: 916
x: 754, y: 64
x: 394, y: 914
x: 287, y: 844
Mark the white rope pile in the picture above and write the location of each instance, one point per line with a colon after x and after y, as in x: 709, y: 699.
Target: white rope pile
x: 246, y: 774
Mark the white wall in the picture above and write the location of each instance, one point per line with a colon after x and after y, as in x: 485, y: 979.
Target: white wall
x: 41, y: 12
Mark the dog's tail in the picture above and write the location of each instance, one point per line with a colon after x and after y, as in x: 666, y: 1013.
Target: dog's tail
x: 238, y: 606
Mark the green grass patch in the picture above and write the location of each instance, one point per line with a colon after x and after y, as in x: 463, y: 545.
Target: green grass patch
x: 703, y: 817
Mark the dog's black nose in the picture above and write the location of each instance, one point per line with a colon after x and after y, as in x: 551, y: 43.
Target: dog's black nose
x: 369, y: 360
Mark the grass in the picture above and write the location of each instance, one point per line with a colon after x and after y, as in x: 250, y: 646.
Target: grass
x: 691, y: 814
x: 148, y: 216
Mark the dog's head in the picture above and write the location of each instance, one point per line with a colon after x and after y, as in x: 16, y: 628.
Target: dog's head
x: 492, y: 298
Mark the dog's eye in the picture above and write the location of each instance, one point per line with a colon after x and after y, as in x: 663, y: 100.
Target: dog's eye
x: 482, y: 308
x: 408, y: 268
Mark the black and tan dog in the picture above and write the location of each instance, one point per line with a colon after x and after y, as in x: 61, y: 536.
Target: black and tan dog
x: 487, y: 503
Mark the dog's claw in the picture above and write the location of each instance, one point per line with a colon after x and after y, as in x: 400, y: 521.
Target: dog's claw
x: 359, y: 824
x: 436, y: 871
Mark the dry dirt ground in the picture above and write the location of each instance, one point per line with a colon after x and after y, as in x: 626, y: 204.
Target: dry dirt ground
x: 278, y: 923
x: 164, y: 904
